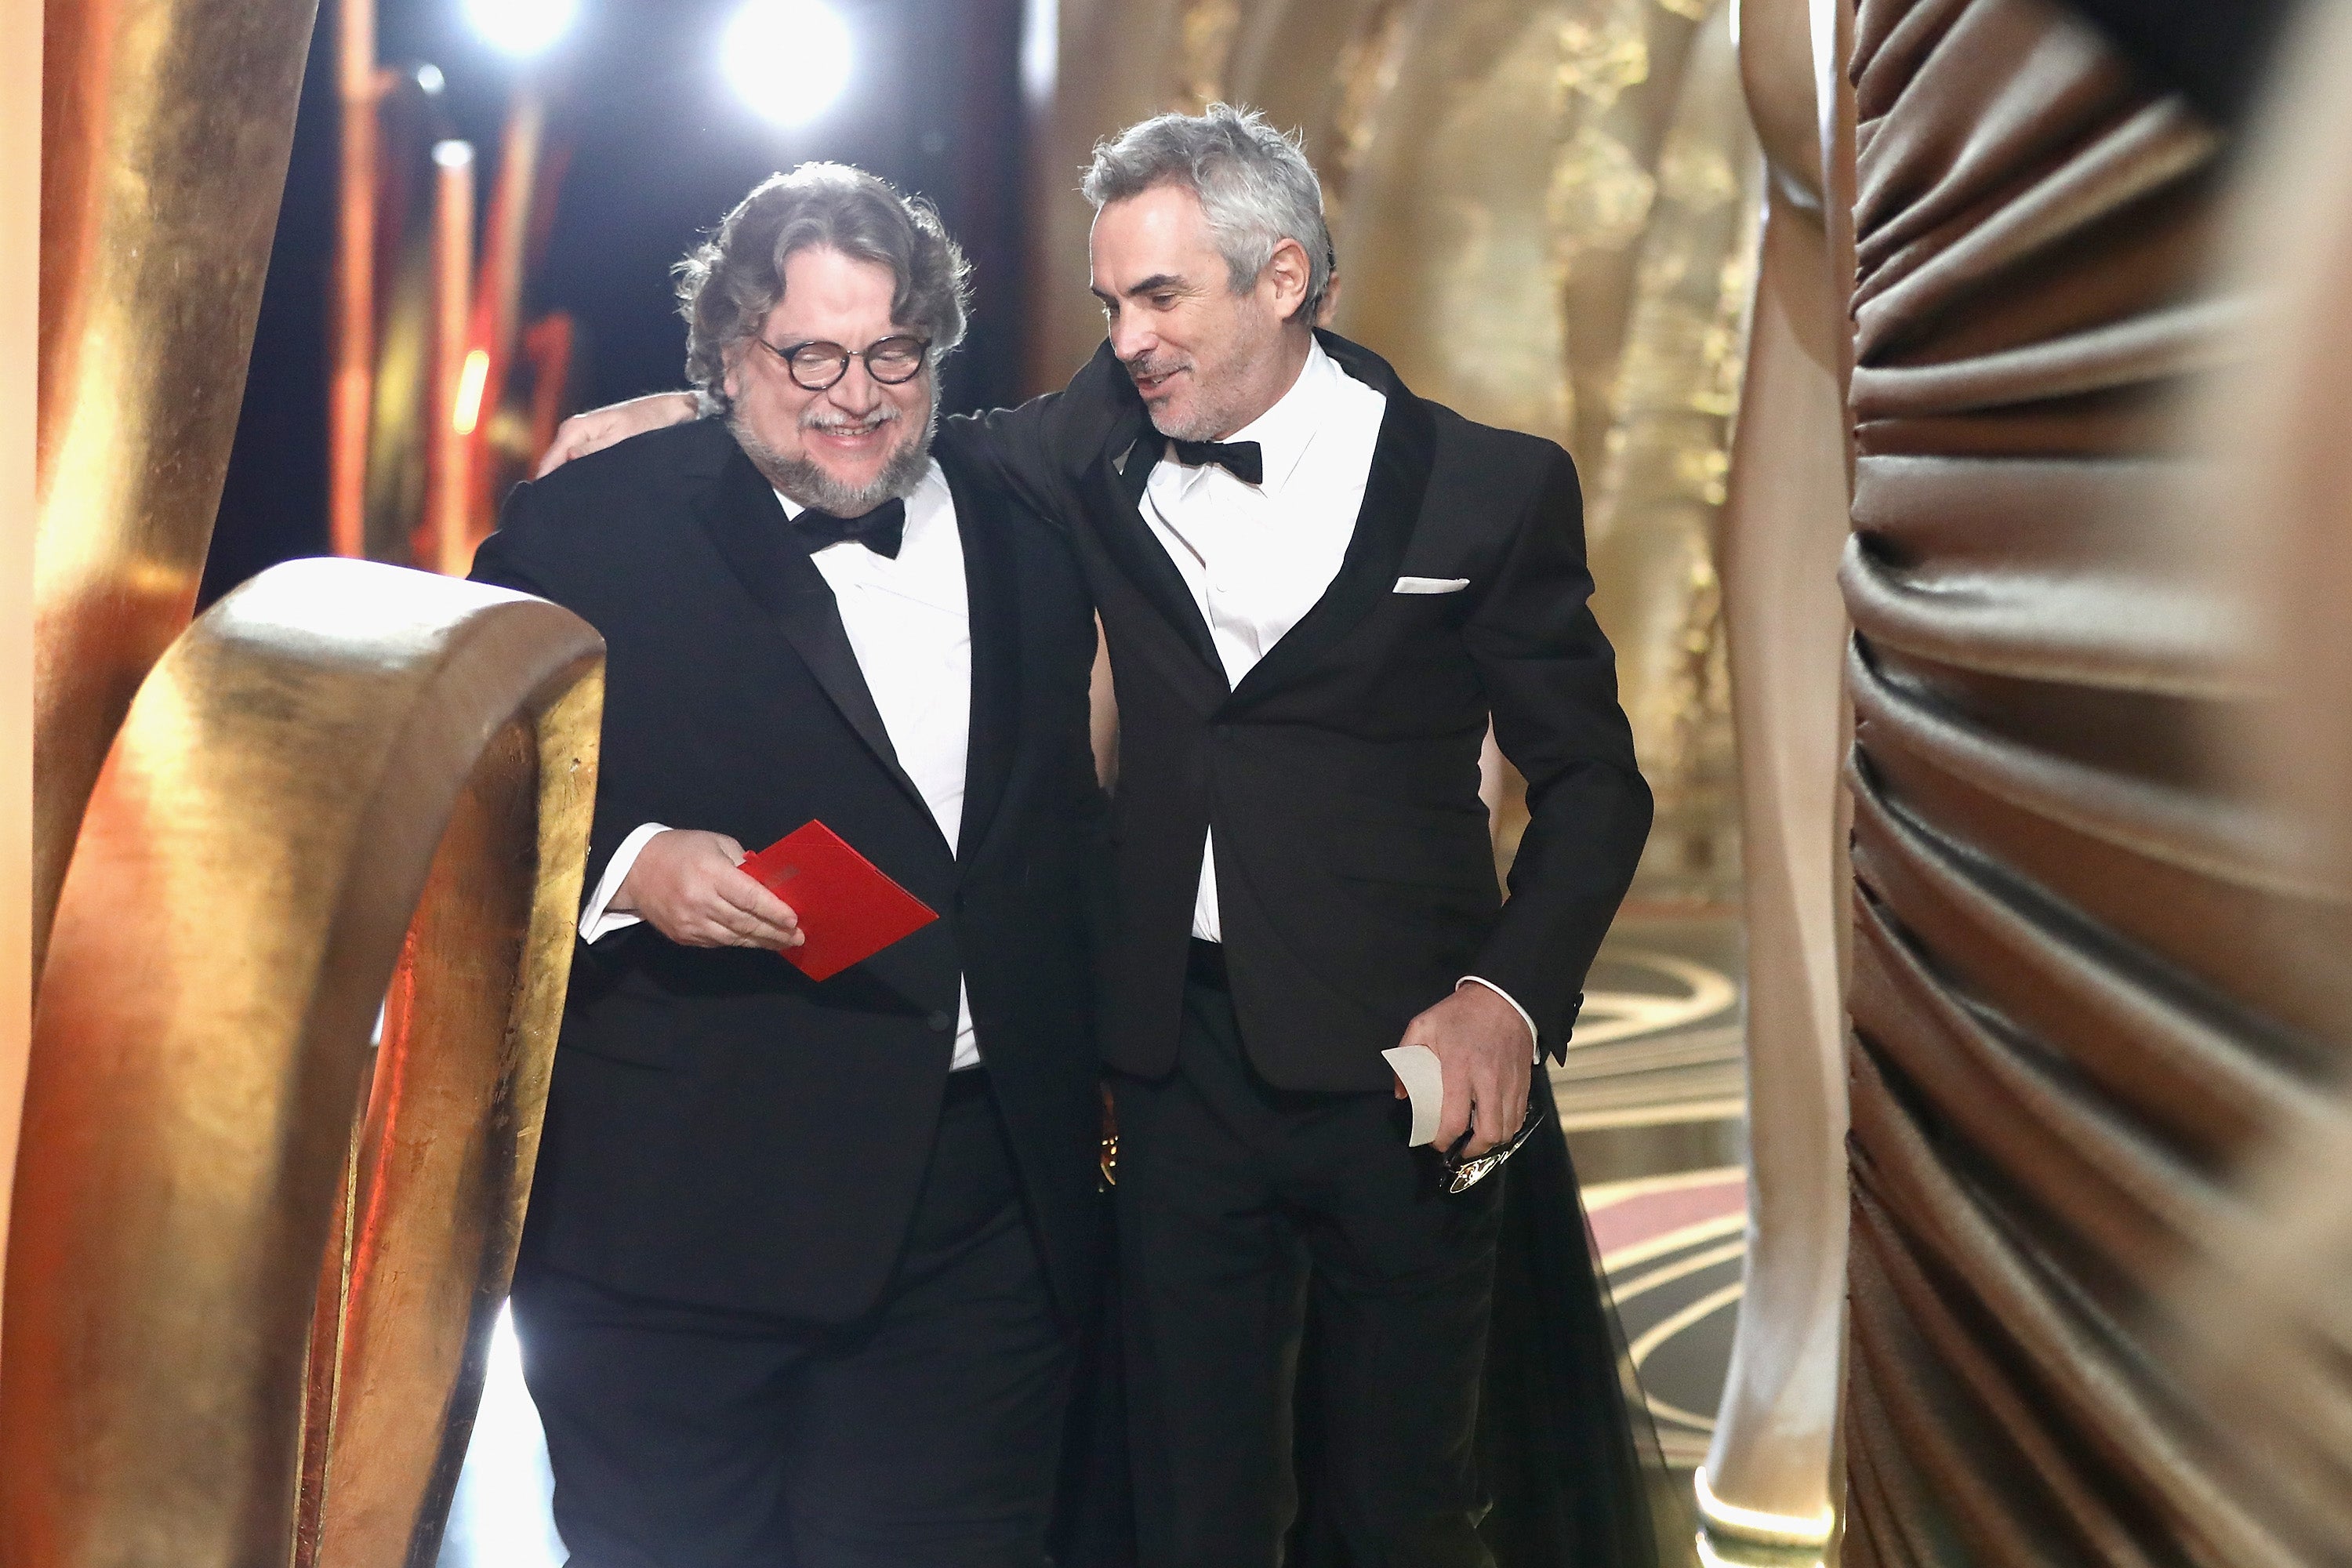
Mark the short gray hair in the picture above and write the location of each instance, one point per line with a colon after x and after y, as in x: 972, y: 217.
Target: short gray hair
x: 1255, y: 185
x: 727, y: 284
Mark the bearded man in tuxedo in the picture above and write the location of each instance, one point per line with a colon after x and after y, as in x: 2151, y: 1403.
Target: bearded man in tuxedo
x: 1318, y: 590
x: 802, y: 1258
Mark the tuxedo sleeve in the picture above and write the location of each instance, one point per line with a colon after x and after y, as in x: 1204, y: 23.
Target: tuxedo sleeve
x: 505, y: 560
x: 1551, y: 681
x: 1037, y: 452
x: 1020, y: 452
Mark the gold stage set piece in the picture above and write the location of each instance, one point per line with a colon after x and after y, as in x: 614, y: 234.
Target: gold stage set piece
x: 166, y: 125
x: 1768, y: 1478
x: 332, y: 747
x: 252, y: 1262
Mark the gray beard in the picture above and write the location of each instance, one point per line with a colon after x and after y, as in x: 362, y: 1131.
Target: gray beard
x: 811, y: 486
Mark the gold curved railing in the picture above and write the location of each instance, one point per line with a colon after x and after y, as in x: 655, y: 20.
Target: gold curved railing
x: 344, y: 780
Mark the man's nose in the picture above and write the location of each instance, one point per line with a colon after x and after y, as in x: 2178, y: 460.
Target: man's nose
x: 856, y: 391
x: 1132, y: 337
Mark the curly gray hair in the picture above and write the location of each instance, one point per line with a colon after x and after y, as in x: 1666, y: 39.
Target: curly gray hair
x: 1255, y: 183
x: 727, y: 284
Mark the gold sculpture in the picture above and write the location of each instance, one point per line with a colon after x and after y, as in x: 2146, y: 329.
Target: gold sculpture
x: 158, y: 193
x: 1769, y: 1474
x: 237, y: 908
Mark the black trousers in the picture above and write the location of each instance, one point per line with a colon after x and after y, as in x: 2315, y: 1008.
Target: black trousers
x: 1243, y: 1209
x: 927, y: 1432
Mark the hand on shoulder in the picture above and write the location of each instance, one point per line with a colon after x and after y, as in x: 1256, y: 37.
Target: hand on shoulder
x: 616, y: 422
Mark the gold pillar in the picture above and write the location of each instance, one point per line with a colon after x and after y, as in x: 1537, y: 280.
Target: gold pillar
x: 350, y: 393
x: 449, y: 489
x: 20, y: 270
x: 497, y: 308
x: 264, y: 829
x: 167, y: 128
x: 1769, y: 1472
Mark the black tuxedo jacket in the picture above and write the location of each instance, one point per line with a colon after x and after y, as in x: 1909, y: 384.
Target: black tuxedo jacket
x: 722, y: 1130
x: 1354, y: 874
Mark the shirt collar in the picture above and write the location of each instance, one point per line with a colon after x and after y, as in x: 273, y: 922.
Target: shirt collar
x: 1285, y: 431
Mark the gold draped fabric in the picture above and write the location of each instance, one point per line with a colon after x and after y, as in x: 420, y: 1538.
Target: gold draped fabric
x: 2270, y: 1330
x: 1544, y: 217
x: 2082, y: 985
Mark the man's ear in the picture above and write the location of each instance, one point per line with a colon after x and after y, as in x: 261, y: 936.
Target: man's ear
x: 1288, y: 273
x: 731, y: 374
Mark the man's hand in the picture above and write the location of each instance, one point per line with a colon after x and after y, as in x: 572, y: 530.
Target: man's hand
x: 600, y: 427
x: 686, y: 884
x: 1481, y: 1044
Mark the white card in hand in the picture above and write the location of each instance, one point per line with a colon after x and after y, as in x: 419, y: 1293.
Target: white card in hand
x: 1424, y: 1084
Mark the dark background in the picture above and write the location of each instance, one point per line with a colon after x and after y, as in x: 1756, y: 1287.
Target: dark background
x: 660, y: 147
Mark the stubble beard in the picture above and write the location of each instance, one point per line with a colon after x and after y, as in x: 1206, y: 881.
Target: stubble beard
x: 1201, y: 423
x: 1218, y: 398
x: 807, y: 483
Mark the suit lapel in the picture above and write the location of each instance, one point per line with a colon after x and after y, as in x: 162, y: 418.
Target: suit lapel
x: 746, y: 522
x: 1392, y: 496
x: 992, y: 588
x: 1114, y: 489
x: 1109, y: 461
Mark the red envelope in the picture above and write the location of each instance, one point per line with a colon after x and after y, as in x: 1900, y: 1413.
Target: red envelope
x: 849, y: 911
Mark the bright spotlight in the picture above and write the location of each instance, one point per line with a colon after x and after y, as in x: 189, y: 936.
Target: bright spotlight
x: 789, y: 58
x: 521, y: 26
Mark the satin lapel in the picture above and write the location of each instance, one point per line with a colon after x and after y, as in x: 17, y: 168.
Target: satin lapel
x: 1392, y: 496
x: 1109, y: 466
x: 1112, y: 496
x: 745, y: 522
x: 991, y: 590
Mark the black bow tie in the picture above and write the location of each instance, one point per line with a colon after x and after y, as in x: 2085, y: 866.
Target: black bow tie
x: 1243, y: 459
x: 882, y: 531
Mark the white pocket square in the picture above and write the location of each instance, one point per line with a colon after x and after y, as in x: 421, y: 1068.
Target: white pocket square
x: 1432, y: 585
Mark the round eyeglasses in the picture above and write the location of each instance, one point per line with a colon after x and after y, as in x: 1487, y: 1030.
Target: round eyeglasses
x: 818, y: 365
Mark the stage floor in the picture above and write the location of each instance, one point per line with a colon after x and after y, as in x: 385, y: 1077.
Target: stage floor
x: 1653, y: 1097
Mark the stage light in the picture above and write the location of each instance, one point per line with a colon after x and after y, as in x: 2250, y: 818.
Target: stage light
x: 790, y: 59
x: 471, y: 379
x: 521, y: 26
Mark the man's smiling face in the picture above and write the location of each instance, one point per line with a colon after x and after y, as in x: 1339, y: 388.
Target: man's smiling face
x: 859, y: 442
x: 1207, y: 360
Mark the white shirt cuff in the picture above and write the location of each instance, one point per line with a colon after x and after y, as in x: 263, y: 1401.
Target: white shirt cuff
x: 596, y: 920
x: 1535, y: 1040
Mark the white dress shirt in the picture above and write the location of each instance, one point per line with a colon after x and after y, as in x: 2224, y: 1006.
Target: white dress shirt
x: 1258, y: 557
x: 910, y: 627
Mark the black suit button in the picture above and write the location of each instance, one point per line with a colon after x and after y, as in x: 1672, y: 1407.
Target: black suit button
x: 942, y: 1021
